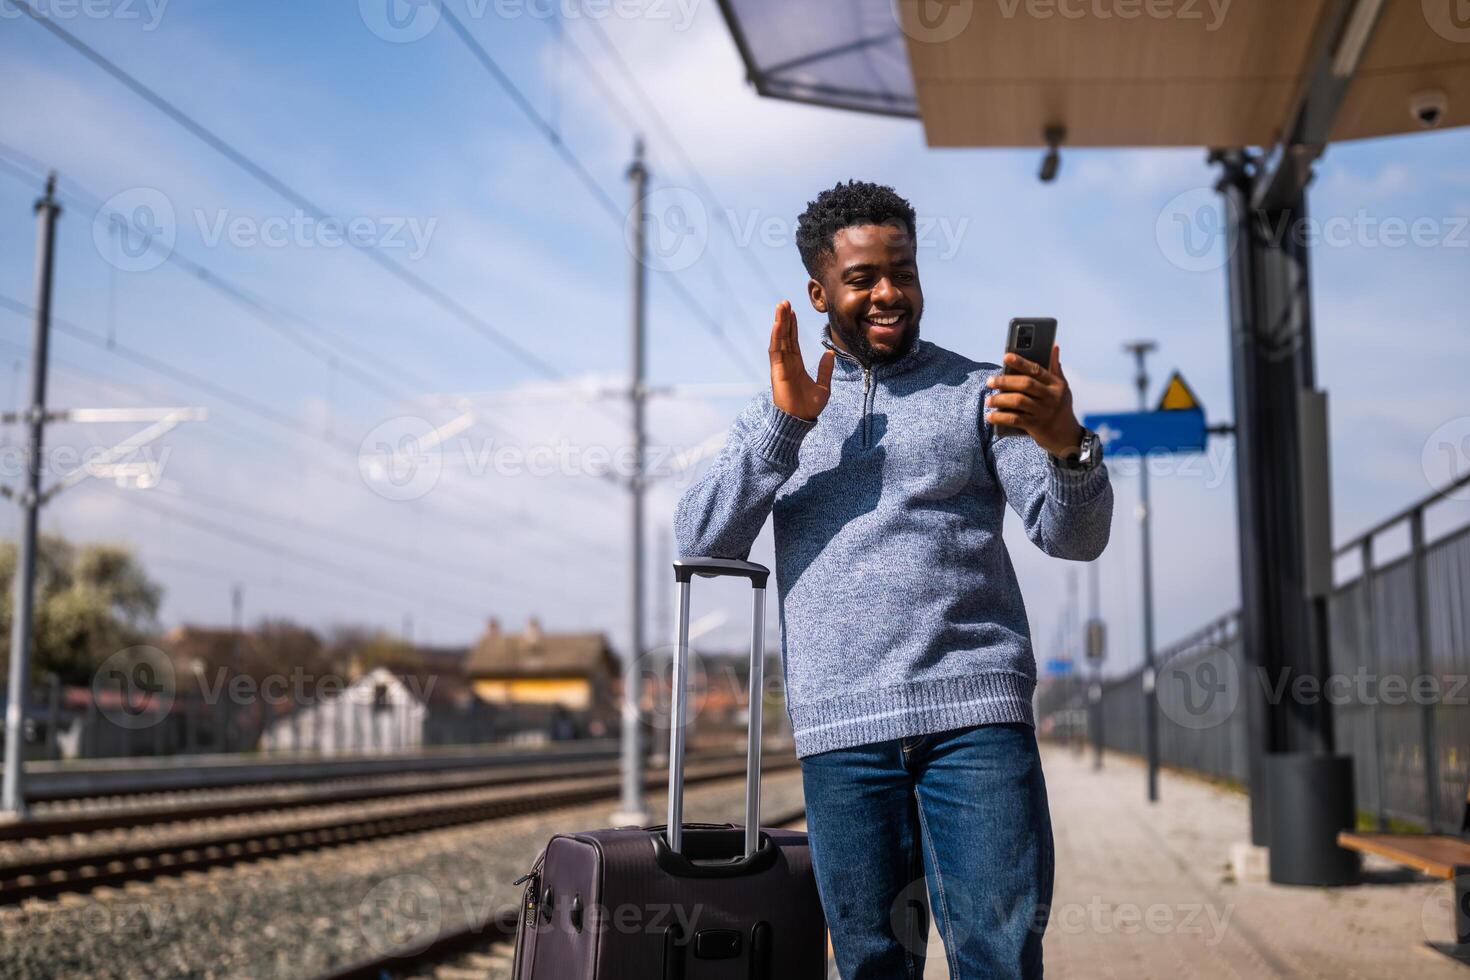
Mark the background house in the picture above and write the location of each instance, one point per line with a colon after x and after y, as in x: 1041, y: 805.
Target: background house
x: 376, y: 714
x: 563, y: 684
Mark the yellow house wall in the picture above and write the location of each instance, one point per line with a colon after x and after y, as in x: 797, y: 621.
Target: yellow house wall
x: 570, y: 692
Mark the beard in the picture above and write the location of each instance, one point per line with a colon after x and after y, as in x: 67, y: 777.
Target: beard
x: 855, y: 338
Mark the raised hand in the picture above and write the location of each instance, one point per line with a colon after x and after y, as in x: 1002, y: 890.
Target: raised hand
x: 792, y: 389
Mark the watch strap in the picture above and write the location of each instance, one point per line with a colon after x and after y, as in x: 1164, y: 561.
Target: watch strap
x: 1091, y: 449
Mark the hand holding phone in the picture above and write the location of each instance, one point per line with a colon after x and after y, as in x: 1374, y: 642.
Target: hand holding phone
x: 1032, y: 394
x: 1032, y: 338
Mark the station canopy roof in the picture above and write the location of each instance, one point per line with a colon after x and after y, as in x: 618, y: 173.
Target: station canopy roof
x: 1214, y: 73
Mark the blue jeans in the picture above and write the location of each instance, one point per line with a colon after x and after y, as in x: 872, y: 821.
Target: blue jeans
x: 961, y: 815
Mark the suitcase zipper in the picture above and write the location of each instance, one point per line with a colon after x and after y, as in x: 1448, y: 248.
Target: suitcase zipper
x: 534, y: 877
x: 527, y: 928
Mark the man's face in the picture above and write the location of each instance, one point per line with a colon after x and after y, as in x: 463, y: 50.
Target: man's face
x: 870, y: 292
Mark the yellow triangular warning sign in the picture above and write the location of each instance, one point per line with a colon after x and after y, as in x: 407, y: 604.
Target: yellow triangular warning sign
x: 1178, y: 396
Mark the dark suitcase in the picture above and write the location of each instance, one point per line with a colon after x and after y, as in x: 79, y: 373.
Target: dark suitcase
x: 706, y: 902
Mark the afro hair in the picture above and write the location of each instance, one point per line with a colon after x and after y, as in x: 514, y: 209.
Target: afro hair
x: 856, y: 202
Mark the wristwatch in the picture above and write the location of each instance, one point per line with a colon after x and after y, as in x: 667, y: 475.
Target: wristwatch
x: 1087, y: 456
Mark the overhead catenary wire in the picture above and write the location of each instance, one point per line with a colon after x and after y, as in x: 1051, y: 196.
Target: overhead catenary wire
x: 701, y: 184
x: 245, y: 402
x: 305, y: 204
x: 236, y: 508
x: 256, y: 307
x: 237, y: 294
x: 584, y: 175
x: 249, y: 540
x: 159, y: 366
x: 70, y: 192
x: 273, y: 182
x: 438, y: 296
x: 600, y: 84
x: 274, y: 582
x: 61, y: 365
x: 436, y: 563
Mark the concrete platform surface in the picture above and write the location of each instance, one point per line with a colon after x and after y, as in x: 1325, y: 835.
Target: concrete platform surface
x: 1145, y: 891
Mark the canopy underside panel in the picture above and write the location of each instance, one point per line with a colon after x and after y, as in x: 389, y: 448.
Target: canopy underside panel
x: 1206, y: 73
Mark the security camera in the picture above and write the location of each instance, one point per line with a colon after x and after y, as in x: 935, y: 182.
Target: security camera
x: 1429, y: 107
x: 1051, y: 164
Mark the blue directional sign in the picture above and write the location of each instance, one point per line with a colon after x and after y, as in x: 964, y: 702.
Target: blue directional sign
x: 1058, y: 667
x: 1149, y: 433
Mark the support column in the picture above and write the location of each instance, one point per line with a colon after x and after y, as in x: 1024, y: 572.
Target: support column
x: 1283, y: 627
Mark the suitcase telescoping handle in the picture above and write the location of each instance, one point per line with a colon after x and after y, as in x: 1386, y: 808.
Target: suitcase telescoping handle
x: 684, y: 570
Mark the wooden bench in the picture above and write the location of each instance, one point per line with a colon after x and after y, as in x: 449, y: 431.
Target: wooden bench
x: 1437, y: 855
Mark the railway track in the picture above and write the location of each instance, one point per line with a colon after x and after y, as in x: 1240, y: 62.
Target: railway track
x: 480, y: 949
x: 161, y: 808
x: 84, y: 866
x: 59, y: 785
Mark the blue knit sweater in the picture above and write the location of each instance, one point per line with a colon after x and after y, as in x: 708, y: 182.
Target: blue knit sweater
x: 900, y: 611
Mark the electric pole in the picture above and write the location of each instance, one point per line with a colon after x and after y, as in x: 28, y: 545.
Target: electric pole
x: 1095, y: 651
x: 632, y: 809
x: 237, y: 607
x: 664, y: 625
x: 1140, y: 349
x: 1076, y: 740
x: 13, y: 802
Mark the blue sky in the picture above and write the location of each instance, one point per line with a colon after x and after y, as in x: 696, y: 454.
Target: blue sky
x: 416, y: 138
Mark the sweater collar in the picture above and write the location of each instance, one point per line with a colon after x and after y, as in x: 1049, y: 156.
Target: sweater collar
x: 848, y: 366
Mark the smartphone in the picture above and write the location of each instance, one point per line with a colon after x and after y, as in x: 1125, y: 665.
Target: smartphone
x: 1032, y: 337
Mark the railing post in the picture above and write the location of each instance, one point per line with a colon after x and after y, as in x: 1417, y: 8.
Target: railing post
x: 1368, y: 628
x: 1426, y: 665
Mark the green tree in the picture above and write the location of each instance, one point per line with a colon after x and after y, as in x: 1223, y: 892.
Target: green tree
x: 91, y: 601
x: 279, y: 647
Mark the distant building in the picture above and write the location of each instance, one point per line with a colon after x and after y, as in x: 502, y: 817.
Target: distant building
x: 377, y: 713
x: 550, y: 679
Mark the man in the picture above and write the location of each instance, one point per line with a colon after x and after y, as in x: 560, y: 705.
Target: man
x: 905, y: 646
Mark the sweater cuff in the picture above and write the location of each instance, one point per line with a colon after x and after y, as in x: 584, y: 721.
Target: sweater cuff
x: 1074, y: 486
x: 779, y: 436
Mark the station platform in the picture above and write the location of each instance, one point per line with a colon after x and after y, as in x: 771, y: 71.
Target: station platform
x: 1146, y: 891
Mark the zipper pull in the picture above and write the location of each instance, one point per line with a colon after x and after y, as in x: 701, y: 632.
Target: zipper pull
x: 533, y: 895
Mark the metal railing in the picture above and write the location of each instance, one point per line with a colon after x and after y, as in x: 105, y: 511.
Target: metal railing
x: 1405, y: 628
x: 1399, y: 682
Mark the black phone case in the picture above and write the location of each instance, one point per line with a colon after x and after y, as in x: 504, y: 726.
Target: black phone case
x: 1039, y: 353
